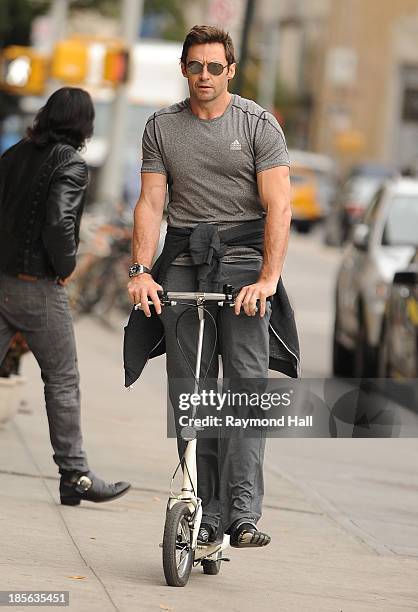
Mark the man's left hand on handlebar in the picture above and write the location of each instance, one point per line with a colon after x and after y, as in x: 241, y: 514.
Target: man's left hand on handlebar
x: 248, y: 296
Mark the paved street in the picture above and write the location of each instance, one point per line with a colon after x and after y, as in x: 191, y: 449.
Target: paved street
x: 341, y: 513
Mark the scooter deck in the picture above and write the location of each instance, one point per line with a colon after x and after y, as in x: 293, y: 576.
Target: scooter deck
x: 203, y: 551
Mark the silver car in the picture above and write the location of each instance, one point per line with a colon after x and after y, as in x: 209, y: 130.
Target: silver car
x: 381, y: 244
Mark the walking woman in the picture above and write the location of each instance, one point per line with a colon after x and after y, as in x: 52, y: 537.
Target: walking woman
x: 43, y: 183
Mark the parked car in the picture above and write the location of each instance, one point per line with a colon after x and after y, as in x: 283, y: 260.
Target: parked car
x: 398, y: 355
x: 324, y: 168
x: 372, y: 168
x: 304, y: 198
x: 352, y: 200
x: 382, y: 243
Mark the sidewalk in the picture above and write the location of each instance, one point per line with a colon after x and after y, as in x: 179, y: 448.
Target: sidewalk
x: 107, y: 555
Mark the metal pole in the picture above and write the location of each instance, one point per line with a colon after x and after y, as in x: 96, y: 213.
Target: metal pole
x: 248, y: 19
x: 268, y: 68
x: 59, y: 15
x: 201, y: 313
x: 272, y: 15
x: 111, y: 178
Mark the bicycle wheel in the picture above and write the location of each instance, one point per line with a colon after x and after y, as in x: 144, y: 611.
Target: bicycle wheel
x: 177, y: 552
x: 212, y: 567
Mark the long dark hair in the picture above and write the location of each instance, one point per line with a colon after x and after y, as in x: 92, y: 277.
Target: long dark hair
x: 67, y: 117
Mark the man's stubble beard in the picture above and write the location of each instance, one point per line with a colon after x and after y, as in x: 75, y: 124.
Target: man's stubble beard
x: 207, y: 98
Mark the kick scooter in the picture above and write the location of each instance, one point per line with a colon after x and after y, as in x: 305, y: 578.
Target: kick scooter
x: 181, y: 551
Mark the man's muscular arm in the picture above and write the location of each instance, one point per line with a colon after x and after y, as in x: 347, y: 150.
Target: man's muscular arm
x: 147, y: 222
x: 274, y: 192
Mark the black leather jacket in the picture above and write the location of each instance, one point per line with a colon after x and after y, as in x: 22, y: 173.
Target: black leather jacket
x: 42, y: 193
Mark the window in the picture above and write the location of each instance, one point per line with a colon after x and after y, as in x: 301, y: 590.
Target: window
x: 401, y: 226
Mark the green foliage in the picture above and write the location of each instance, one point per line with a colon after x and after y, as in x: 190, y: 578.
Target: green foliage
x: 290, y: 107
x: 174, y: 27
x: 15, y: 22
x: 109, y: 8
x: 249, y: 80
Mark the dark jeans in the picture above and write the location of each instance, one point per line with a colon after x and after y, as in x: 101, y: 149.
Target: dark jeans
x: 230, y: 469
x: 39, y: 309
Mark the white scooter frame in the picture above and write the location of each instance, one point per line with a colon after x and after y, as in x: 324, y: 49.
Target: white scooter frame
x: 188, y: 495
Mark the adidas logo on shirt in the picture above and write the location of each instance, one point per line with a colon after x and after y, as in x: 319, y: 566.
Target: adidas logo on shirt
x: 235, y: 146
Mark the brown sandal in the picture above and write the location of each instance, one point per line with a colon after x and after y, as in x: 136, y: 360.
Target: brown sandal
x: 246, y: 535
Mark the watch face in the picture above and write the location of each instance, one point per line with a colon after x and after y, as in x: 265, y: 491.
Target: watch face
x: 134, y: 269
x: 137, y: 268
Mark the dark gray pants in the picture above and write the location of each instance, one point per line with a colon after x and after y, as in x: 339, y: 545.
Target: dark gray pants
x: 230, y: 469
x: 39, y: 309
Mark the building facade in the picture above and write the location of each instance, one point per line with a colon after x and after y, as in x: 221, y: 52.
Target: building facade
x: 365, y: 85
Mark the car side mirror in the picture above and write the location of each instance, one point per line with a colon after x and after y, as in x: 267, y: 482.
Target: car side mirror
x: 361, y: 233
x: 405, y: 278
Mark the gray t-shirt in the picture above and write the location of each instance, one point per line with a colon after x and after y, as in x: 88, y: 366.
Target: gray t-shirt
x: 211, y: 164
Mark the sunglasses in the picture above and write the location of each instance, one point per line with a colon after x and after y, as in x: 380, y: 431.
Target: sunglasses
x: 215, y: 68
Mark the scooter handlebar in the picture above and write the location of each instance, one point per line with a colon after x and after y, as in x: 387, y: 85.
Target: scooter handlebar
x: 172, y: 298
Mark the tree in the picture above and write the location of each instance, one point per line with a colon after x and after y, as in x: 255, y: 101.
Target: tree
x: 110, y: 8
x: 171, y: 19
x: 15, y: 21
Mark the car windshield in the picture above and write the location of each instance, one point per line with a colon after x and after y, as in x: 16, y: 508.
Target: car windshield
x: 301, y: 176
x: 298, y: 179
x: 362, y: 189
x: 402, y: 222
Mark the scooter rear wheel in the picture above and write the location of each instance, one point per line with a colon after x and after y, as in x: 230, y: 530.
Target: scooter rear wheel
x: 177, y: 552
x: 212, y: 567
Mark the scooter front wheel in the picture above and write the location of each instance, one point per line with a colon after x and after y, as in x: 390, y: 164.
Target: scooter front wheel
x: 177, y: 545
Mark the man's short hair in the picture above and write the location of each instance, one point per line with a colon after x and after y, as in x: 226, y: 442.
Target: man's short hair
x: 199, y: 35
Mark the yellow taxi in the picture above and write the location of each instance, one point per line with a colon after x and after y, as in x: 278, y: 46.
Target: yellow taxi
x: 305, y: 198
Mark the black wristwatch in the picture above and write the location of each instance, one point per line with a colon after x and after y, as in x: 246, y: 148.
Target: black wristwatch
x: 137, y: 268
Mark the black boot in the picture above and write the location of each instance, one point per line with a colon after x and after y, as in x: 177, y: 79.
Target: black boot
x: 207, y: 534
x: 77, y: 486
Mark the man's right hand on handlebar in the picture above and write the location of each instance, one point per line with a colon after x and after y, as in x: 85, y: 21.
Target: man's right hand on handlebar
x: 142, y: 288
